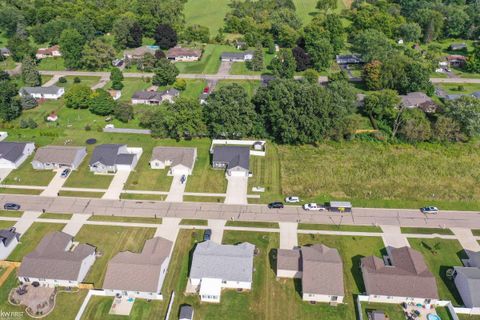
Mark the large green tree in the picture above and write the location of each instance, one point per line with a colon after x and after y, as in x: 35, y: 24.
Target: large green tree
x: 30, y: 75
x: 71, y: 44
x: 78, y: 97
x: 283, y: 65
x: 97, y: 54
x: 466, y: 111
x: 101, y: 103
x: 165, y: 73
x: 10, y: 107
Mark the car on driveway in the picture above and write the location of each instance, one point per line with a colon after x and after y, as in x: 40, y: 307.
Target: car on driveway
x: 11, y: 206
x: 313, y: 207
x: 183, y: 178
x: 275, y: 205
x: 292, y: 199
x: 429, y: 209
x: 207, y: 234
x: 65, y: 173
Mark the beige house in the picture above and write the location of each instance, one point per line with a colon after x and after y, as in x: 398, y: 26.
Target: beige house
x: 55, y: 157
x: 180, y: 160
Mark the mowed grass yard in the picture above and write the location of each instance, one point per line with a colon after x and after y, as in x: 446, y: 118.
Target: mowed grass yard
x: 384, y: 175
x: 98, y: 308
x: 210, y: 61
x: 26, y: 175
x: 266, y: 174
x: 209, y: 13
x: 109, y: 241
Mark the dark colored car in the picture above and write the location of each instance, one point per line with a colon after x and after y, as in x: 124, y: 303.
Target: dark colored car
x: 207, y: 234
x: 65, y: 173
x: 183, y: 178
x: 11, y: 206
x: 275, y: 205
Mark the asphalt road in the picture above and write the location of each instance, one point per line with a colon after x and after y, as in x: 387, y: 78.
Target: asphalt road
x: 196, y: 210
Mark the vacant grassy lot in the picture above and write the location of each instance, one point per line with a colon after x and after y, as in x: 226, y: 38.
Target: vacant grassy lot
x: 52, y: 64
x: 98, y: 308
x: 425, y: 230
x: 379, y: 174
x: 109, y: 241
x: 441, y: 255
x: 26, y: 175
x: 125, y: 219
x: 31, y: 238
x: 266, y: 174
x: 333, y: 227
x: 86, y: 81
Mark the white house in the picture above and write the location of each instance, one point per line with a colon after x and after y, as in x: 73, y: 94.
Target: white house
x: 235, y: 160
x: 55, y: 157
x: 183, y: 54
x: 51, y: 52
x: 467, y: 281
x: 319, y: 267
x: 8, y: 241
x: 110, y: 158
x: 49, y: 93
x: 155, y: 98
x: 237, y: 56
x: 13, y: 154
x: 216, y: 267
x: 139, y: 275
x: 57, y: 261
x: 180, y: 160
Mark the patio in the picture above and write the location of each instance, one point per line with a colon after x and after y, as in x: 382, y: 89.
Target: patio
x: 122, y: 306
x: 39, y: 301
x: 417, y: 312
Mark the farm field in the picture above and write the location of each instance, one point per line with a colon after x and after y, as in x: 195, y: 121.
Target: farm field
x: 209, y: 13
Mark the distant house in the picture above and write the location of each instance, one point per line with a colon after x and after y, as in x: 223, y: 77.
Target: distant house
x: 5, y: 52
x: 467, y: 281
x: 139, y: 275
x: 154, y: 98
x: 216, y: 267
x: 180, y: 160
x: 319, y: 267
x: 451, y: 97
x: 55, y: 157
x: 403, y: 276
x: 183, y: 54
x: 476, y: 94
x: 8, y: 241
x: 50, y: 93
x: 57, y: 261
x: 138, y: 53
x: 456, y: 60
x: 13, y: 154
x: 186, y: 312
x: 115, y: 94
x: 457, y: 46
x: 237, y: 56
x: 110, y: 158
x: 348, y: 59
x: 51, y: 52
x: 418, y: 100
x: 241, y: 45
x: 234, y: 159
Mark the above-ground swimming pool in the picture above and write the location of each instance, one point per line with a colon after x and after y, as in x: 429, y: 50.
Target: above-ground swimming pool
x: 432, y: 316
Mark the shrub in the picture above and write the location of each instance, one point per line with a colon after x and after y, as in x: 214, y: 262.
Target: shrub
x: 77, y: 80
x: 62, y: 80
x: 88, y: 128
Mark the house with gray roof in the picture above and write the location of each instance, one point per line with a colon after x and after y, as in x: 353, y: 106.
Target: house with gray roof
x: 179, y: 160
x: 5, y: 52
x: 139, y: 275
x: 319, y: 267
x: 57, y: 261
x: 8, y: 241
x: 186, y: 312
x: 183, y: 54
x: 56, y: 157
x: 216, y: 267
x: 49, y: 93
x: 13, y: 154
x: 348, y: 59
x: 154, y: 97
x: 467, y: 281
x: 139, y: 53
x: 403, y: 276
x: 234, y: 159
x: 237, y: 56
x: 418, y: 100
x: 110, y: 158
x: 476, y: 94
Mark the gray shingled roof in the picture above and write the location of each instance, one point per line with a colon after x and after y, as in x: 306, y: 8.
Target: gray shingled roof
x: 41, y: 90
x: 52, y: 259
x: 473, y: 283
x: 407, y: 277
x: 415, y: 99
x: 235, y: 55
x: 58, y: 154
x: 289, y: 260
x: 186, y: 312
x: 226, y: 262
x: 106, y: 154
x: 7, y: 235
x: 12, y: 151
x: 177, y: 155
x: 138, y: 271
x: 4, y: 51
x: 476, y: 94
x: 147, y: 95
x: 232, y: 155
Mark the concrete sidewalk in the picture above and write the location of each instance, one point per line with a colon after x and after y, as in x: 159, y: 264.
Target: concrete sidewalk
x: 52, y: 81
x: 288, y: 235
x: 76, y: 223
x: 168, y: 229
x: 55, y: 185
x: 392, y: 237
x: 177, y: 189
x: 466, y: 239
x: 117, y: 185
x: 217, y: 227
x: 27, y: 219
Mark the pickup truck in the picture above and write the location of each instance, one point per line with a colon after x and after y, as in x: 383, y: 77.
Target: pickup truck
x: 313, y: 207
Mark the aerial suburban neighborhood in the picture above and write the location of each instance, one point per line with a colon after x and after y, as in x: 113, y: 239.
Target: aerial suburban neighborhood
x: 244, y: 160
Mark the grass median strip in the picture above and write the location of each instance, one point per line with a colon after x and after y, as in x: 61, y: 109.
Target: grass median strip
x: 194, y: 222
x: 61, y: 216
x: 426, y: 231
x: 125, y: 219
x: 252, y: 224
x: 80, y: 194
x: 11, y: 214
x: 334, y: 227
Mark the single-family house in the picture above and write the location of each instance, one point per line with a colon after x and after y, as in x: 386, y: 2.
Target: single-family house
x: 50, y: 93
x: 180, y: 160
x: 5, y: 52
x: 216, y: 267
x: 457, y: 46
x: 57, y: 261
x: 56, y: 157
x: 467, y: 281
x: 418, y: 100
x: 319, y: 267
x: 476, y: 94
x: 183, y: 54
x: 186, y: 312
x: 139, y: 275
x: 237, y: 56
x: 13, y: 154
x: 110, y: 158
x: 115, y: 94
x: 138, y: 53
x: 457, y: 61
x: 51, y: 52
x: 403, y: 276
x: 8, y: 241
x: 348, y: 59
x: 234, y: 159
x: 155, y: 98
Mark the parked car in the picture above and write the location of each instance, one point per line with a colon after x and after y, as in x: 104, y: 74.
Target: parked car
x: 313, y: 207
x: 65, y: 173
x: 207, y: 234
x: 292, y: 199
x: 275, y: 205
x: 11, y: 206
x: 183, y: 178
x: 429, y: 209
x: 206, y: 90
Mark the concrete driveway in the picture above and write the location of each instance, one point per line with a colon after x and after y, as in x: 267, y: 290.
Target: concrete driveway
x: 225, y: 67
x: 55, y: 185
x: 217, y: 227
x: 76, y: 223
x: 117, y: 185
x: 288, y: 235
x: 27, y: 219
x: 4, y: 172
x: 168, y: 229
x: 177, y: 189
x: 237, y: 190
x: 393, y: 238
x: 466, y: 239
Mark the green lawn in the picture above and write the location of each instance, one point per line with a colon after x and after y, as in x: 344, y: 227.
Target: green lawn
x: 125, y: 219
x: 6, y: 224
x: 241, y: 67
x: 9, y: 213
x: 30, y: 239
x: 333, y: 227
x: 208, y: 64
x: 109, y: 241
x: 84, y: 80
x: 476, y: 232
x: 194, y: 89
x: 194, y: 222
x: 98, y: 308
x: 83, y: 178
x: 306, y: 8
x: 26, y: 175
x: 61, y: 216
x: 452, y: 88
x: 7, y: 64
x: 441, y: 255
x: 203, y: 199
x: 80, y: 194
x: 130, y: 86
x: 208, y: 13
x: 393, y: 311
x: 249, y: 86
x: 52, y: 64
x: 426, y: 230
x: 252, y: 224
x: 131, y: 196
x: 20, y: 191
